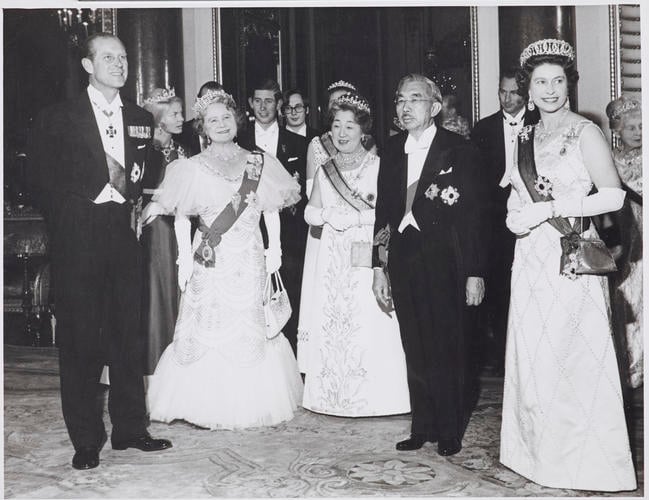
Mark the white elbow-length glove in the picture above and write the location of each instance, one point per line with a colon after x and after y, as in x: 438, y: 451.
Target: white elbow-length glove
x: 274, y: 251
x: 607, y: 199
x: 185, y: 260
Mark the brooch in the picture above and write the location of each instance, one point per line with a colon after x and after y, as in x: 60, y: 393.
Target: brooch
x: 136, y: 173
x: 450, y: 195
x: 524, y: 133
x: 254, y: 163
x: 543, y: 186
x: 432, y: 191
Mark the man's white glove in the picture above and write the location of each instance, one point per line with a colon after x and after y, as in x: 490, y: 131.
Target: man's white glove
x: 185, y: 260
x: 274, y: 251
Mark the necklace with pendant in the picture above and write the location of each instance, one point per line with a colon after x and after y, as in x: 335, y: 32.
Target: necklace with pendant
x: 542, y: 133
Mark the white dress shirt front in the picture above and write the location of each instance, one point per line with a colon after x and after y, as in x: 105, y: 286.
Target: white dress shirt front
x: 512, y: 125
x: 108, y: 116
x: 267, y: 139
x: 417, y: 151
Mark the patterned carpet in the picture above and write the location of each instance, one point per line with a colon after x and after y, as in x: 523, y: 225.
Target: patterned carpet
x: 310, y: 456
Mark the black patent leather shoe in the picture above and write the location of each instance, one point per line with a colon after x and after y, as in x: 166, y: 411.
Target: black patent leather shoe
x: 143, y: 443
x: 448, y: 447
x: 412, y: 443
x: 86, y: 458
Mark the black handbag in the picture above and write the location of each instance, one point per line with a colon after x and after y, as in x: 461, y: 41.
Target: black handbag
x: 585, y: 256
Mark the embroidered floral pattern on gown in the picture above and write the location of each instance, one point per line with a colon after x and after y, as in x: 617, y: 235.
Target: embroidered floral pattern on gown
x: 220, y: 371
x: 356, y: 364
x: 627, y: 298
x: 563, y: 422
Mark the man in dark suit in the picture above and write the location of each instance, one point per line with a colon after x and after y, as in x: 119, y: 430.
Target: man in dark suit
x: 88, y: 157
x: 290, y: 149
x: 189, y: 138
x: 428, y: 200
x: 495, y: 136
x: 295, y: 110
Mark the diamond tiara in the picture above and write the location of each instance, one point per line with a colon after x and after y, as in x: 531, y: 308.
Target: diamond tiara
x: 355, y: 101
x: 210, y: 97
x: 160, y: 95
x: 548, y: 46
x: 625, y: 106
x: 341, y: 83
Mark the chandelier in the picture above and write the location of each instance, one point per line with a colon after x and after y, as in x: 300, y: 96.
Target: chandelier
x: 79, y: 24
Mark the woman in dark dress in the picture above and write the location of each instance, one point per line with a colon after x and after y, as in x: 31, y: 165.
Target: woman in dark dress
x: 161, y: 295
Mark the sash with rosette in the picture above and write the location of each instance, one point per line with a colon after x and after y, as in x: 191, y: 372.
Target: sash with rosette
x: 361, y: 251
x: 212, y: 235
x: 331, y: 170
x: 537, y: 186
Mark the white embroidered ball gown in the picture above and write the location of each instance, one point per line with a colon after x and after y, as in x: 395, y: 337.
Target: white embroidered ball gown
x: 563, y: 422
x: 220, y: 371
x: 356, y: 365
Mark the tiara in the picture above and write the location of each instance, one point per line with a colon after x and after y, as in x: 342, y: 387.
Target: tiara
x: 548, y: 46
x: 341, y: 83
x: 160, y: 95
x: 355, y: 101
x: 626, y: 106
x: 210, y: 97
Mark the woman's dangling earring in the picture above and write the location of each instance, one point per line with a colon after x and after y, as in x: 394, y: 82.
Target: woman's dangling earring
x: 566, y: 104
x: 530, y: 105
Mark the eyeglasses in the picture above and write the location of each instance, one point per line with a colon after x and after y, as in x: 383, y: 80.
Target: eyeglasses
x: 298, y: 108
x: 401, y: 101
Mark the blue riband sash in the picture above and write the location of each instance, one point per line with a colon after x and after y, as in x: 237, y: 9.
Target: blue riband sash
x: 225, y: 220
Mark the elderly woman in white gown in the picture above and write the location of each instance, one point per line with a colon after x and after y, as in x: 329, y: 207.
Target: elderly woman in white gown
x: 220, y: 372
x: 355, y: 365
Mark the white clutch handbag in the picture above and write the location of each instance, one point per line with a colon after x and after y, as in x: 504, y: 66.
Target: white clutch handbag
x: 277, y: 307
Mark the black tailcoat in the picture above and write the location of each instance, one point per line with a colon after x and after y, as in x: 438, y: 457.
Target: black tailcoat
x: 488, y: 135
x: 96, y: 264
x: 428, y: 270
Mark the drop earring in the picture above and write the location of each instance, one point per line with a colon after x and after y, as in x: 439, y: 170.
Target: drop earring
x: 530, y: 105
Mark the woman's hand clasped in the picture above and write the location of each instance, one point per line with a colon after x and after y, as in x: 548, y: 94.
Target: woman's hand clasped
x: 521, y: 221
x: 339, y: 218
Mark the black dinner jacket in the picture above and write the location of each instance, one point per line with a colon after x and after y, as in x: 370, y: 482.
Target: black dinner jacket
x: 68, y: 158
x: 451, y: 161
x: 291, y: 152
x: 488, y: 135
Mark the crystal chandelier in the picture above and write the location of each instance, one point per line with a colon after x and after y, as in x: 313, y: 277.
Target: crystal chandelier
x: 79, y: 24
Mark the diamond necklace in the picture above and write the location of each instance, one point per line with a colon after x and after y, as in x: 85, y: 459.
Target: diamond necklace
x: 224, y: 156
x: 542, y: 133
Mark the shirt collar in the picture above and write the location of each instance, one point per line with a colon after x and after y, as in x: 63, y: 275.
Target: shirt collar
x: 273, y: 129
x: 518, y: 118
x: 97, y: 98
x: 424, y: 141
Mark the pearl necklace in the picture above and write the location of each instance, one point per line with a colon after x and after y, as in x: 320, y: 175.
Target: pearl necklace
x: 349, y: 160
x: 231, y: 155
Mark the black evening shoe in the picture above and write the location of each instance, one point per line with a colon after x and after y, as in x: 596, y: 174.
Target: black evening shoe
x: 86, y: 458
x: 447, y: 447
x: 143, y: 443
x: 412, y: 443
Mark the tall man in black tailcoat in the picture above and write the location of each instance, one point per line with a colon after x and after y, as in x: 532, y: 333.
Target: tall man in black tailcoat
x: 428, y: 199
x: 88, y: 157
x: 290, y: 149
x: 495, y: 136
